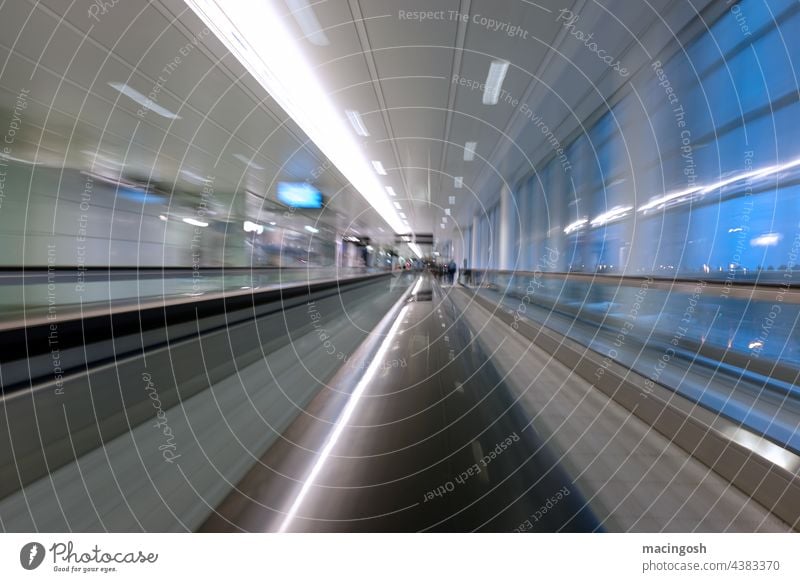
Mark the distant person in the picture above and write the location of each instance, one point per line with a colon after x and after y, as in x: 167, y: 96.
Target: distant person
x: 451, y: 271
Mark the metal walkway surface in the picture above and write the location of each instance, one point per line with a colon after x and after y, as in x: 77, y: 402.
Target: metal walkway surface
x: 417, y: 433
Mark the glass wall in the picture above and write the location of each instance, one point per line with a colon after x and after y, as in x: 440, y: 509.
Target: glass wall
x: 695, y: 169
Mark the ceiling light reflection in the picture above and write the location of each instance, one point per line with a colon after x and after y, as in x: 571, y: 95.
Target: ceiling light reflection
x: 344, y: 418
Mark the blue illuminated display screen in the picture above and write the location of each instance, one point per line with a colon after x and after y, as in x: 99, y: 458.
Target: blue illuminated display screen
x: 299, y: 195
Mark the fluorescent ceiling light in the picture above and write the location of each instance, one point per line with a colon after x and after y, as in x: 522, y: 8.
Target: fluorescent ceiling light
x: 11, y: 158
x: 253, y: 227
x: 614, y: 214
x: 390, y: 191
x: 113, y: 166
x: 776, y: 169
x: 193, y: 177
x: 458, y: 182
x: 577, y: 225
x: 415, y: 249
x: 398, y: 206
x: 144, y: 101
x: 447, y: 212
x: 100, y: 159
x: 469, y: 150
x: 451, y: 200
x: 403, y: 215
x: 118, y: 180
x: 96, y: 153
x: 378, y: 167
x: 494, y: 82
x: 444, y: 220
x: 162, y: 217
x: 311, y: 229
x: 194, y: 222
x: 357, y: 122
x: 662, y: 200
x: 248, y: 162
x: 274, y: 57
x: 752, y: 174
x: 307, y: 21
x: 766, y: 240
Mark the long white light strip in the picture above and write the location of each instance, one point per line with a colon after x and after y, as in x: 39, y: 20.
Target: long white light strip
x: 307, y: 21
x: 144, y: 101
x: 274, y: 58
x: 469, y: 150
x: 195, y: 222
x: 249, y: 163
x: 343, y: 419
x: 194, y: 177
x: 776, y: 169
x: 613, y: 214
x: 379, y: 167
x: 357, y: 123
x: 737, y: 178
x: 752, y: 174
x: 577, y: 225
x: 667, y: 198
x: 11, y: 158
x: 458, y: 182
x: 415, y: 249
x: 769, y: 170
x: 494, y: 82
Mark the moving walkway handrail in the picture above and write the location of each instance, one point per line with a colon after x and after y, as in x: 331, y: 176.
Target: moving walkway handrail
x: 193, y: 345
x: 43, y: 336
x: 748, y: 288
x: 785, y: 373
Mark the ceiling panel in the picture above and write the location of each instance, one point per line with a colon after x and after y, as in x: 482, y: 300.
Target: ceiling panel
x: 397, y: 71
